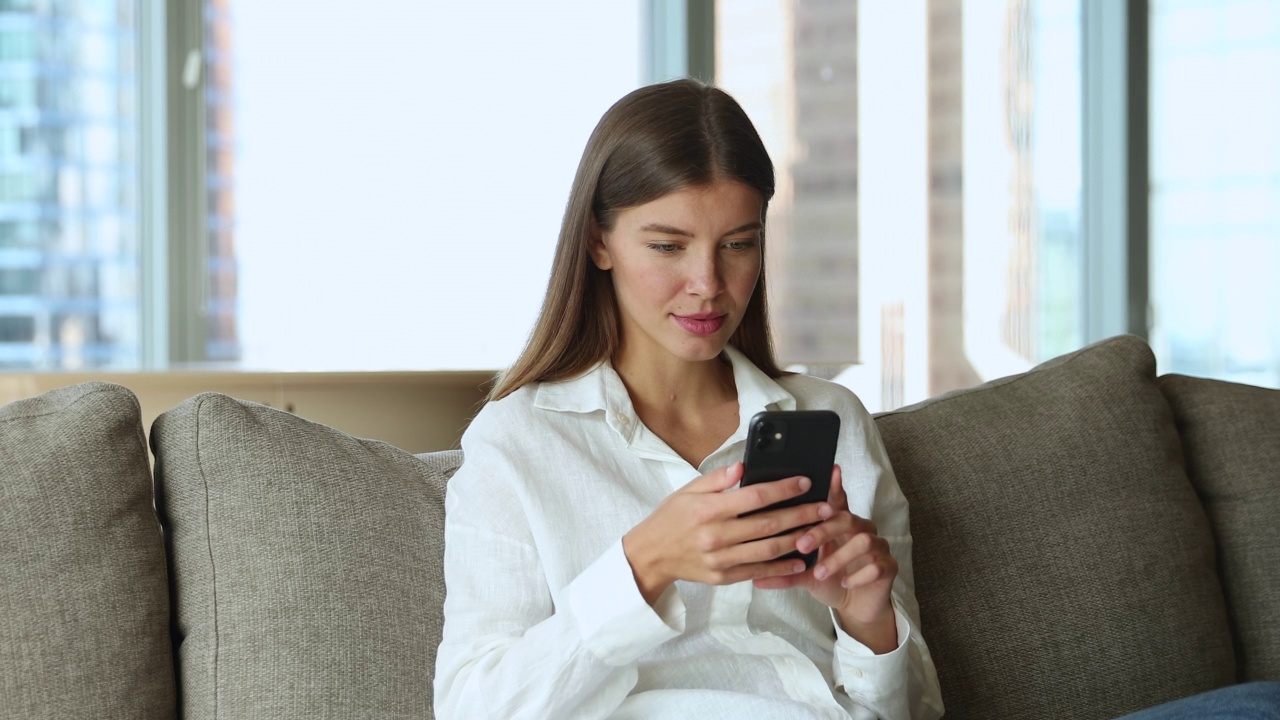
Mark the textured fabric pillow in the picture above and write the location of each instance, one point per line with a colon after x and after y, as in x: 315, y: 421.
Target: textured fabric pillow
x: 84, y: 601
x: 1231, y: 437
x: 307, y: 563
x: 1064, y: 565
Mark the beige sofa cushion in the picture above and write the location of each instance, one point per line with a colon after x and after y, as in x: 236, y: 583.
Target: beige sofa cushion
x: 1231, y: 438
x: 84, y: 601
x: 1064, y: 565
x: 308, y: 564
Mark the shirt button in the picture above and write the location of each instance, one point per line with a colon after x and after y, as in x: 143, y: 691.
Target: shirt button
x: 624, y: 420
x: 855, y: 672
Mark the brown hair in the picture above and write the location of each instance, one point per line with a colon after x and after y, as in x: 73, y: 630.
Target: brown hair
x: 655, y: 140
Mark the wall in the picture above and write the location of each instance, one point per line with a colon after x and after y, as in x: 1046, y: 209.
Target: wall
x: 414, y: 411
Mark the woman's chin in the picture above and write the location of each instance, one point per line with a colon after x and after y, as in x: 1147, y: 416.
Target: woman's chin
x: 702, y: 349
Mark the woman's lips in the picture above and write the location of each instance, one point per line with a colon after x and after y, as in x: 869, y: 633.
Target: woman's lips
x: 701, y: 324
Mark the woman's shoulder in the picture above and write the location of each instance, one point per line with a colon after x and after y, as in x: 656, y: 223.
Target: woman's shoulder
x: 498, y: 439
x: 505, y: 416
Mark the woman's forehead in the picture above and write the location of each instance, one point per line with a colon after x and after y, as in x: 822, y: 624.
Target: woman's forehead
x: 723, y: 206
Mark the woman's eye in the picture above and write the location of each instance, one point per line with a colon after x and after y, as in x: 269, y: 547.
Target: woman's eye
x: 740, y: 244
x: 664, y: 247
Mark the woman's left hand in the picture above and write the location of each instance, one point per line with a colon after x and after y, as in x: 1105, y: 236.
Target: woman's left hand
x: 854, y: 574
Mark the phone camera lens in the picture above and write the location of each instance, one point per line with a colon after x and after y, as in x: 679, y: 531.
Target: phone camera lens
x: 764, y: 437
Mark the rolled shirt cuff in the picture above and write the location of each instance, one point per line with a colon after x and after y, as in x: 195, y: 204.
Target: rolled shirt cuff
x: 879, y: 679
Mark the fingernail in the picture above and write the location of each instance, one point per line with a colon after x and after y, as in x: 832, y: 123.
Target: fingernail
x: 797, y: 567
x: 805, y: 484
x: 805, y: 544
x: 820, y: 572
x: 825, y: 511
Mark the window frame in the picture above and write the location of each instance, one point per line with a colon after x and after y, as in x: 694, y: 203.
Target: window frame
x: 186, y: 182
x: 1115, y: 169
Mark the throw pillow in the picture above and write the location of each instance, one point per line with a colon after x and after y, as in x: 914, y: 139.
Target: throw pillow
x: 1064, y: 566
x: 308, y: 564
x: 84, y: 600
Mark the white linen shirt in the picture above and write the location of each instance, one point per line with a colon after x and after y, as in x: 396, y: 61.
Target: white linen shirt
x: 543, y: 618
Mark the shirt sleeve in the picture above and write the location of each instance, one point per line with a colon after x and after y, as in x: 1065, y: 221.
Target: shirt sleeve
x: 616, y: 623
x: 903, y: 683
x: 508, y: 650
x: 877, y: 683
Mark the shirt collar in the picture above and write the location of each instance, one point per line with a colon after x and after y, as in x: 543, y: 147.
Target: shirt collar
x: 600, y: 388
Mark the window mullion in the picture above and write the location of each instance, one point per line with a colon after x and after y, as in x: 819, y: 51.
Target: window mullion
x: 680, y: 40
x: 153, y: 195
x: 1115, y: 169
x: 188, y: 234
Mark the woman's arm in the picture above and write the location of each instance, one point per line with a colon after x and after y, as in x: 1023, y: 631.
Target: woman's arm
x: 509, y: 649
x: 902, y: 683
x: 508, y: 652
x: 864, y: 574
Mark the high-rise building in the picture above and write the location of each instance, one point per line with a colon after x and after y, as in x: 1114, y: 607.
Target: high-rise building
x: 70, y: 242
x: 815, y: 316
x: 221, y: 310
x: 949, y: 369
x: 1019, y: 328
x: 69, y: 291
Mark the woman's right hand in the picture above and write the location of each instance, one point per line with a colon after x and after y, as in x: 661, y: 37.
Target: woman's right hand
x: 696, y: 533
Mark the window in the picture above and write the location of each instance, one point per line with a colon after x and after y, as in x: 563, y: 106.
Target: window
x: 337, y: 186
x: 401, y: 169
x: 926, y: 232
x: 19, y: 281
x: 328, y: 170
x: 1215, y: 188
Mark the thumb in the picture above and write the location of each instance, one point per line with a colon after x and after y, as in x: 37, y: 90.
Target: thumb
x: 717, y: 480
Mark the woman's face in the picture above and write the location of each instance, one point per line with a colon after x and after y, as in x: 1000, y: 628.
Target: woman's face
x: 684, y: 267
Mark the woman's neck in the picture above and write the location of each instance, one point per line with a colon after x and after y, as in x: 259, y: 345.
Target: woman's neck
x: 693, y: 407
x: 676, y: 386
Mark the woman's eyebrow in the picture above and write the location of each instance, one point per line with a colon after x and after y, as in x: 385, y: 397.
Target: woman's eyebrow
x: 669, y: 230
x: 665, y: 230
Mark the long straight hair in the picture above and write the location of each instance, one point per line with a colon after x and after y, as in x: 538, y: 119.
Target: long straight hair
x: 654, y: 141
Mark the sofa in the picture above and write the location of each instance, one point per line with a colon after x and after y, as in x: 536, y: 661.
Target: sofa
x: 1090, y: 538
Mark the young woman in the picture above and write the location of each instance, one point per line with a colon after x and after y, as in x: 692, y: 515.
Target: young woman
x: 595, y: 559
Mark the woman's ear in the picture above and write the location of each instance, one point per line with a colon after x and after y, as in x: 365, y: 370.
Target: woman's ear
x: 599, y: 251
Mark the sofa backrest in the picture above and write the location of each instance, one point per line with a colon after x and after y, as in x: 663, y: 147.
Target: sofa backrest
x: 1065, y: 566
x: 1063, y: 563
x: 307, y: 564
x: 1231, y: 435
x: 84, y: 603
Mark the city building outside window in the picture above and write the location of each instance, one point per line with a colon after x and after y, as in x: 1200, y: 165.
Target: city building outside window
x: 68, y: 177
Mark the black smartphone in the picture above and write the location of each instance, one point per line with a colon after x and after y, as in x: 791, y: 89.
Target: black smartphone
x: 787, y: 443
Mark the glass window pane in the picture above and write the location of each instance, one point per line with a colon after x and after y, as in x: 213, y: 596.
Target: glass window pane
x: 400, y: 170
x: 69, y: 294
x: 926, y: 231
x: 1215, y: 188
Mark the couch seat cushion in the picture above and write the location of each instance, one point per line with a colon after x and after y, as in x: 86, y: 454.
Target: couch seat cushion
x: 1231, y: 438
x: 84, y: 600
x: 308, y: 564
x: 1064, y: 565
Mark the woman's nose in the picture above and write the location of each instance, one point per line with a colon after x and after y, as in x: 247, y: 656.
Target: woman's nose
x: 705, y: 277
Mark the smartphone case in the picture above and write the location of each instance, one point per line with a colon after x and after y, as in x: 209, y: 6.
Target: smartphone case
x: 787, y: 443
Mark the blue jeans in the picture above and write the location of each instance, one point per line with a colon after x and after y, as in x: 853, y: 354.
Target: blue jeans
x: 1249, y: 701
